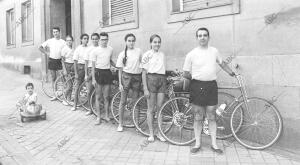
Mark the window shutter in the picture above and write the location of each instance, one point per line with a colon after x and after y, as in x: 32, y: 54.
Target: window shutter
x: 121, y: 11
x: 201, y: 4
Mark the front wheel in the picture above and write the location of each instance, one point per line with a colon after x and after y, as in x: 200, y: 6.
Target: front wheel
x: 175, y: 121
x: 261, y: 126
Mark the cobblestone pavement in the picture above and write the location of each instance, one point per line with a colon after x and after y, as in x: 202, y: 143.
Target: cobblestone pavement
x: 69, y: 137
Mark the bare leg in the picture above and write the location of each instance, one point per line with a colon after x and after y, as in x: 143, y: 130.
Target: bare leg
x: 97, y: 102
x: 53, y: 78
x: 151, y: 104
x: 160, y: 101
x: 106, y: 95
x: 198, y: 121
x: 124, y: 95
x: 212, y: 125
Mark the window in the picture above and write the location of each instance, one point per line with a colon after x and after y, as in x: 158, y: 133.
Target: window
x: 117, y: 12
x: 189, y: 5
x: 181, y: 10
x: 27, y: 21
x: 10, y: 27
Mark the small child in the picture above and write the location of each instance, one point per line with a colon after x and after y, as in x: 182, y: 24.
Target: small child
x: 29, y: 102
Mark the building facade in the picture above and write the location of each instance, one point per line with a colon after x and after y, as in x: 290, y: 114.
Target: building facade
x: 260, y: 39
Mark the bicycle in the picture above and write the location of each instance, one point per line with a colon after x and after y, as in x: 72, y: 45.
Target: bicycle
x: 61, y: 89
x: 262, y: 122
x: 232, y: 118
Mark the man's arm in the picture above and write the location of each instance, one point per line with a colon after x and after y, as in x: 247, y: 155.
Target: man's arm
x: 226, y: 68
x: 63, y: 65
x: 43, y: 50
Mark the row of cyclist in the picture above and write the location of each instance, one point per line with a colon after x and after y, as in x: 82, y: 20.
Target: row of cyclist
x: 157, y: 105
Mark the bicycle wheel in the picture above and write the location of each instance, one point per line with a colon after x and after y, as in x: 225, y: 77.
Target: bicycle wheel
x: 59, y: 89
x: 261, y: 126
x: 70, y: 90
x: 47, y: 85
x: 175, y: 121
x: 82, y: 94
x: 139, y: 116
x: 114, y: 90
x: 115, y: 103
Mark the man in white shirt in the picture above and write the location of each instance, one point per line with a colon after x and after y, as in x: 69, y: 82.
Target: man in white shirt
x: 101, y: 74
x: 200, y: 66
x: 54, y: 45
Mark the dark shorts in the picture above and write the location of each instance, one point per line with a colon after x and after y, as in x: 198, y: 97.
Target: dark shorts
x: 54, y: 64
x: 103, y: 76
x: 69, y: 67
x: 131, y: 81
x: 204, y: 93
x: 156, y: 83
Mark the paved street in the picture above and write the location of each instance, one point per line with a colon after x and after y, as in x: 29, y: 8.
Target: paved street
x: 68, y: 137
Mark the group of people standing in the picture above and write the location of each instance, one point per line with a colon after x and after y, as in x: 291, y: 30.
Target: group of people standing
x: 136, y: 70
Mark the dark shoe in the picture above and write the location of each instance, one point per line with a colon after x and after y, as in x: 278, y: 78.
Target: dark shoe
x: 195, y: 149
x: 217, y: 150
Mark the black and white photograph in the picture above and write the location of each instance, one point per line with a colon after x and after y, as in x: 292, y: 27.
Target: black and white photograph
x: 149, y: 82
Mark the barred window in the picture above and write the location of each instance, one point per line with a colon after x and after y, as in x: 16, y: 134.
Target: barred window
x: 117, y: 12
x: 10, y: 27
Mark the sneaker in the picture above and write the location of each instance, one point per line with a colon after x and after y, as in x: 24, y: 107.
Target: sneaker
x: 160, y: 138
x: 98, y: 121
x: 64, y: 103
x: 88, y: 113
x: 195, y: 149
x: 53, y: 99
x: 120, y: 129
x: 150, y: 139
x: 73, y: 109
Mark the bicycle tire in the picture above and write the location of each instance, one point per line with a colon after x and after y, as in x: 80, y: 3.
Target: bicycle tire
x: 114, y: 90
x: 127, y: 118
x: 59, y: 87
x: 139, y: 116
x: 175, y: 121
x: 262, y: 124
x: 47, y: 86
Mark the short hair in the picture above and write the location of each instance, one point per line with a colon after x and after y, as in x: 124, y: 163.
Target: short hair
x: 202, y: 28
x: 28, y: 85
x: 95, y: 34
x: 103, y: 34
x: 56, y: 28
x: 69, y: 36
x: 84, y: 34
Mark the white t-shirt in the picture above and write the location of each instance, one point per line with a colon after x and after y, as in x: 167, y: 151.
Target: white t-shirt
x: 88, y: 55
x: 79, y: 54
x: 55, y: 46
x: 133, y: 62
x: 102, y: 56
x: 154, y: 62
x: 67, y: 52
x: 202, y: 63
x: 29, y: 98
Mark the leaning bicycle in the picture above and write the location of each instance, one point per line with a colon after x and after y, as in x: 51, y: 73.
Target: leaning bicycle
x: 262, y: 123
